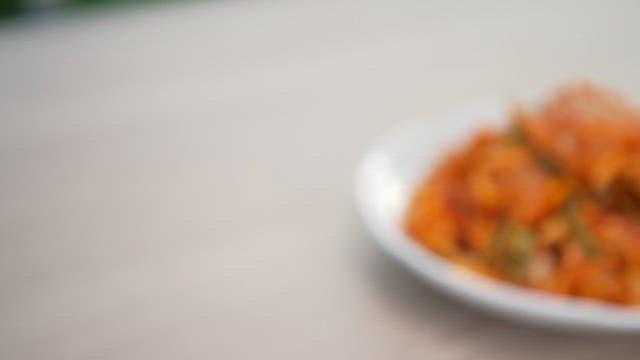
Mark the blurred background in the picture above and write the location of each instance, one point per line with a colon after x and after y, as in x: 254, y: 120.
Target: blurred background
x: 176, y: 176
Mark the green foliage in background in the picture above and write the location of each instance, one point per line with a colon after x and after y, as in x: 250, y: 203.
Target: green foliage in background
x: 97, y: 1
x: 10, y: 8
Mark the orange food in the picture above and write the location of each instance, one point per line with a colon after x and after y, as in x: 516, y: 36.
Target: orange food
x: 552, y: 202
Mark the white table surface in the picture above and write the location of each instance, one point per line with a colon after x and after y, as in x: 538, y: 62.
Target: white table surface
x: 176, y: 179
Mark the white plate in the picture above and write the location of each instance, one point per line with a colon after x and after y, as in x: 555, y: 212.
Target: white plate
x: 385, y: 181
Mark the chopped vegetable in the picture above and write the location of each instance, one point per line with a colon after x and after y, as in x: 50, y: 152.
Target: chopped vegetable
x: 545, y: 161
x: 520, y: 251
x: 579, y: 228
x: 512, y: 248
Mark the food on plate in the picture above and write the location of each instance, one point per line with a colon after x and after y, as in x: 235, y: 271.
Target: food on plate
x: 550, y: 202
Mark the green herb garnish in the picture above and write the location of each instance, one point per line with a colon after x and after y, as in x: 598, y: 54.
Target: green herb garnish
x: 579, y: 228
x: 544, y: 160
x: 513, y: 246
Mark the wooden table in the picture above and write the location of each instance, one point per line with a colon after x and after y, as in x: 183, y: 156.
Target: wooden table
x: 176, y: 179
